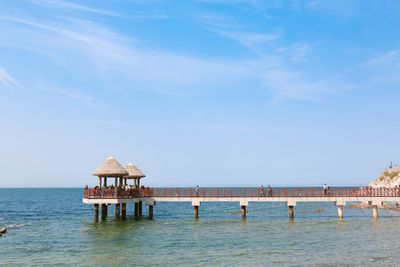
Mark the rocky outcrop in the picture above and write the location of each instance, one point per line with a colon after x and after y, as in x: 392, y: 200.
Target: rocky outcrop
x: 389, y: 178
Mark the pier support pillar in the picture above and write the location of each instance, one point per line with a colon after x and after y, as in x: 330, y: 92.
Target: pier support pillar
x: 136, y: 210
x: 96, y: 212
x: 375, y: 211
x: 340, y: 211
x: 117, y: 210
x: 196, y: 212
x: 291, y: 212
x: 123, y: 211
x: 103, y: 212
x: 243, y: 210
x: 140, y: 208
x: 151, y: 207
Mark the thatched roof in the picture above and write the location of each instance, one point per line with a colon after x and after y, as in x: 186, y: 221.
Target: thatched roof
x: 133, y: 171
x: 110, y: 168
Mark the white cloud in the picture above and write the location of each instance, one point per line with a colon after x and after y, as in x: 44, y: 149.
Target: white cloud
x: 73, y: 6
x: 8, y: 80
x: 340, y: 8
x: 222, y: 128
x: 78, y: 96
x: 255, y: 42
x: 383, y: 68
x: 293, y: 85
x: 94, y: 52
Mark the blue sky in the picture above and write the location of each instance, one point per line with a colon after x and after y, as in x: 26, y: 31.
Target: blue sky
x: 211, y: 92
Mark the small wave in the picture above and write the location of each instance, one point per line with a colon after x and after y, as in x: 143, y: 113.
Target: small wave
x: 15, y: 225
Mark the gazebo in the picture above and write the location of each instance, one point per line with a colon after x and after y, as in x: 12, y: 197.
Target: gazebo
x: 136, y: 174
x: 110, y: 168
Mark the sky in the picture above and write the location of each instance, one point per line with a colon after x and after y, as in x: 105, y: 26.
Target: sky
x: 206, y: 92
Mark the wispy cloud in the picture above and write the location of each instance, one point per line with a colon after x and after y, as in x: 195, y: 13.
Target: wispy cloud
x: 287, y: 84
x: 278, y: 67
x: 96, y: 52
x: 220, y: 127
x: 78, y: 96
x: 75, y: 7
x: 119, y: 62
x: 340, y: 8
x: 7, y: 80
x: 383, y: 68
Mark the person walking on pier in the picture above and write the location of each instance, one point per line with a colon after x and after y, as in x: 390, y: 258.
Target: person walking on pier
x: 262, y: 191
x: 325, y: 189
x: 269, y: 191
x: 197, y: 190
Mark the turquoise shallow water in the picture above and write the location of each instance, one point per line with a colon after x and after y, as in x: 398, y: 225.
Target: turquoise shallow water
x: 53, y: 227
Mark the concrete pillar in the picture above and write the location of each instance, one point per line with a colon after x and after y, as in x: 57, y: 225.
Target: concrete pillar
x: 196, y: 212
x: 151, y: 212
x: 243, y: 209
x: 123, y: 211
x: 136, y: 209
x: 140, y: 208
x: 117, y: 210
x: 96, y: 212
x: 103, y: 212
x: 340, y: 211
x: 291, y: 212
x: 375, y: 211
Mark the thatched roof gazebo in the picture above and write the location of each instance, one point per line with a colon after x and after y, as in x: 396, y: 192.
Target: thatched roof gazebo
x: 134, y: 173
x: 110, y: 168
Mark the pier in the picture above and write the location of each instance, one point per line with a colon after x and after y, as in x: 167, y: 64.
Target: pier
x: 122, y: 194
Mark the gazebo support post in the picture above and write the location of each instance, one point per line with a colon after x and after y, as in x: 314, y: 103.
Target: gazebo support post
x: 136, y: 209
x: 123, y: 211
x: 117, y: 210
x: 151, y: 207
x: 96, y: 212
x: 103, y: 212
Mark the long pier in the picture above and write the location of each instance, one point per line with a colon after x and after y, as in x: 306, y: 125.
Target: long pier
x: 291, y: 196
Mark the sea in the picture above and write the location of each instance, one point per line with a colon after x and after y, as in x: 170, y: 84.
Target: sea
x: 48, y: 227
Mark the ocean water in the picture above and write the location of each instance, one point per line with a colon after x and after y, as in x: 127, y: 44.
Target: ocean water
x: 53, y: 227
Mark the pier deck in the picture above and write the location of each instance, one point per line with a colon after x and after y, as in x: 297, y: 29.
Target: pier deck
x: 338, y: 195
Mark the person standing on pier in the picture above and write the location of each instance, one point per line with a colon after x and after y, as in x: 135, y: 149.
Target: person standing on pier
x: 325, y: 189
x: 262, y: 191
x: 197, y: 190
x: 269, y: 191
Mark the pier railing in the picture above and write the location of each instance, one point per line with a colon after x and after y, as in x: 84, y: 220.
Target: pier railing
x: 110, y: 193
x: 276, y: 192
x: 241, y: 192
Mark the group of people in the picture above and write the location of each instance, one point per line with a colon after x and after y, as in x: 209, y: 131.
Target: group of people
x: 264, y: 193
x: 124, y: 190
